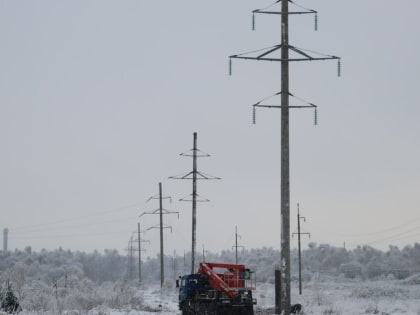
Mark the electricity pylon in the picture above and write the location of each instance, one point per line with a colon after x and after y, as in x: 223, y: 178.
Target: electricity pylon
x: 160, y: 226
x: 194, y: 175
x: 300, y: 54
x: 299, y: 233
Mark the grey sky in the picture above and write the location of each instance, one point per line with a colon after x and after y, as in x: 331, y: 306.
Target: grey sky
x: 98, y: 98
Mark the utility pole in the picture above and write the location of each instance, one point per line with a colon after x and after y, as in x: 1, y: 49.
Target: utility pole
x: 139, y: 245
x: 185, y: 264
x: 236, y: 244
x: 266, y: 55
x: 160, y: 226
x: 174, y: 265
x: 299, y: 248
x: 140, y: 240
x: 194, y: 175
x: 130, y: 255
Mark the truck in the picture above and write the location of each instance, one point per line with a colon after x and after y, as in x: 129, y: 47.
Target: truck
x: 217, y: 289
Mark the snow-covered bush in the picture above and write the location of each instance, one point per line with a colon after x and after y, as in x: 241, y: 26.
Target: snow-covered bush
x: 38, y: 297
x: 8, y: 300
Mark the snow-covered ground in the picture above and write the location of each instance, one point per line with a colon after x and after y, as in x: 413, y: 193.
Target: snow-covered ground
x: 320, y: 296
x: 343, y: 296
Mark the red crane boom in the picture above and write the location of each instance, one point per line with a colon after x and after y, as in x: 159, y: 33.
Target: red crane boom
x: 230, y: 281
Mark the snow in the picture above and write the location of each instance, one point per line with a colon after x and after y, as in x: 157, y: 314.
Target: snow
x: 332, y: 296
x: 320, y: 296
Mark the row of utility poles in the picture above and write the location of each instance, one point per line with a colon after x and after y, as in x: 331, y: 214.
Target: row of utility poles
x: 131, y: 248
x: 194, y: 198
x: 283, y: 279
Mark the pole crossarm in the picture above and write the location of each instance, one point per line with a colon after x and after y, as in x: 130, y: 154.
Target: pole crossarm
x: 301, y: 233
x: 262, y: 104
x: 157, y: 197
x: 198, y: 198
x: 197, y: 154
x: 266, y: 11
x: 304, y: 53
x: 308, y: 104
x: 157, y: 211
x: 157, y: 226
x: 190, y: 176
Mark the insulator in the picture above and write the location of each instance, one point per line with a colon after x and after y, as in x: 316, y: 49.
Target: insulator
x: 254, y: 114
x: 316, y: 116
x: 316, y: 22
x: 230, y: 66
x: 253, y: 21
x: 339, y: 68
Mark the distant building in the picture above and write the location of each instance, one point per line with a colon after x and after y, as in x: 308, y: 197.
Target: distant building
x: 5, y: 235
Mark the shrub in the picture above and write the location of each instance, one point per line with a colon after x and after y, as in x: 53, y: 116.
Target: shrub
x: 8, y: 300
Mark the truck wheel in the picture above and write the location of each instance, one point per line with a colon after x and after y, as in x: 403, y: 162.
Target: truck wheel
x: 249, y: 310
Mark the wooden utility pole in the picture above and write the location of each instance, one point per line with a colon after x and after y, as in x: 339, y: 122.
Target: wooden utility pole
x: 299, y: 217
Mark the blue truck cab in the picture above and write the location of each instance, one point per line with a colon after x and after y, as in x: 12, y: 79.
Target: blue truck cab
x: 190, y: 286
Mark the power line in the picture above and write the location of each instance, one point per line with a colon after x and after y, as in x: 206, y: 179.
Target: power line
x: 73, y: 218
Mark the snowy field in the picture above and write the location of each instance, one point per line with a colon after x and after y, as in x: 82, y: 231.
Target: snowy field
x: 320, y: 296
x: 348, y: 297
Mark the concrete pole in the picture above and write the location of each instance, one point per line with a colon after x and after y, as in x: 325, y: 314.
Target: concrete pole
x: 194, y: 204
x: 236, y: 245
x: 285, y: 170
x: 300, y: 256
x: 139, y: 245
x: 162, y: 276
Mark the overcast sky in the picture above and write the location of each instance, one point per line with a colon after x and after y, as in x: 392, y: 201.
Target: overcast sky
x: 98, y: 98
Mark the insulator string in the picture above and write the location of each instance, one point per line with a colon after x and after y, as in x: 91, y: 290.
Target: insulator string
x: 316, y: 116
x: 253, y: 21
x: 339, y: 68
x: 316, y: 22
x: 230, y: 66
x: 254, y: 115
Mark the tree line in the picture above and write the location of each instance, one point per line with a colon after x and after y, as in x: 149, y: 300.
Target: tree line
x: 63, y: 279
